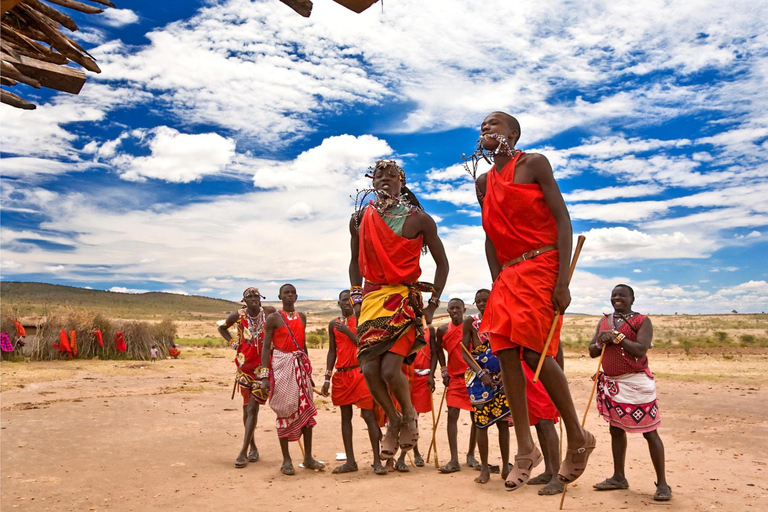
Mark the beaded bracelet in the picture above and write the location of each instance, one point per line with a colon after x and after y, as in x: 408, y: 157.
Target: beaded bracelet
x: 328, y: 374
x: 481, y: 373
x: 618, y: 336
x: 262, y: 372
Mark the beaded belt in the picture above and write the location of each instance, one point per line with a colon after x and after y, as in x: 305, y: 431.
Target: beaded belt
x: 529, y: 255
x: 347, y: 368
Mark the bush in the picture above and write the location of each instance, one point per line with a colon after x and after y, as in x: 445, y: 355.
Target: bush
x: 748, y: 339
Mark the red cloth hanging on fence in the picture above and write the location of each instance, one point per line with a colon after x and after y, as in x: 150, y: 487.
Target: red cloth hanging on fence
x: 99, y: 337
x: 73, y: 341
x: 120, y: 341
x: 64, y: 343
x: 20, y: 331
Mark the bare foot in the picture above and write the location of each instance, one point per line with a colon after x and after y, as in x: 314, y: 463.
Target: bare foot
x: 552, y: 488
x: 390, y: 465
x: 287, y: 468
x: 505, y: 472
x: 347, y: 467
x: 485, y: 475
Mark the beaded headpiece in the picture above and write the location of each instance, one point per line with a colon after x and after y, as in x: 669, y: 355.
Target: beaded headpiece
x: 252, y: 292
x: 381, y: 164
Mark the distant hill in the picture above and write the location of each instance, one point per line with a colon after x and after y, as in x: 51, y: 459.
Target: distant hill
x: 36, y: 298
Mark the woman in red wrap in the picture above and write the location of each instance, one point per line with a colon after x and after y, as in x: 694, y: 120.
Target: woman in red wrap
x: 528, y: 247
x: 387, y: 239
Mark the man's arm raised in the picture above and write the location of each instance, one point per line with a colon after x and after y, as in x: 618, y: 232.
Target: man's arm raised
x: 542, y: 171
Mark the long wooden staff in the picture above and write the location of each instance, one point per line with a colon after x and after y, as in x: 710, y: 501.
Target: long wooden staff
x: 586, y: 411
x: 425, y: 327
x: 579, y: 244
x: 434, y: 430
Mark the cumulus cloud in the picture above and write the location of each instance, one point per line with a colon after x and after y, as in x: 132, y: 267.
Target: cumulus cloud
x: 118, y: 17
x: 175, y: 157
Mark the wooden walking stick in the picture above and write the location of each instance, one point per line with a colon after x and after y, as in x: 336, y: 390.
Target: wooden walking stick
x: 301, y: 447
x: 579, y: 245
x: 425, y: 327
x: 434, y: 430
x: 586, y: 411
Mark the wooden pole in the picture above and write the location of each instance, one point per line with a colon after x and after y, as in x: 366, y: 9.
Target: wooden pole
x: 301, y: 447
x: 586, y: 411
x: 579, y: 245
x: 434, y: 430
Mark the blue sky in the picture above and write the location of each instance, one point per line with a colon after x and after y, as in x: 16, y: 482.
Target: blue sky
x: 221, y: 144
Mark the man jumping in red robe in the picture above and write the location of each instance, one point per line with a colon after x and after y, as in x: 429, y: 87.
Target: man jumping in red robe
x: 528, y: 247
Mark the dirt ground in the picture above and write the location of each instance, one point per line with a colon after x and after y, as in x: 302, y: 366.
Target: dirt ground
x: 131, y: 436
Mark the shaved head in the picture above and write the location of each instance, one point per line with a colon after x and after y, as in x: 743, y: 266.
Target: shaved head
x: 514, y: 124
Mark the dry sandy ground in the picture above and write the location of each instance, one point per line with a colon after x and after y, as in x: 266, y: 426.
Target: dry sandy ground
x: 129, y: 436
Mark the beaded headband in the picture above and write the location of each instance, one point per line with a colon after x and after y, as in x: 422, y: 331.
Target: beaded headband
x: 381, y: 164
x: 252, y: 292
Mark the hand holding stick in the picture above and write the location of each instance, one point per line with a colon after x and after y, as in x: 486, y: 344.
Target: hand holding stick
x: 579, y: 245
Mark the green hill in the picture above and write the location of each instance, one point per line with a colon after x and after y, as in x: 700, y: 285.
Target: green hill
x: 37, y: 298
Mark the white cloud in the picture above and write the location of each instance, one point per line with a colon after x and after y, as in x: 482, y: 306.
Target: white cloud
x: 176, y: 157
x: 122, y: 289
x: 9, y: 265
x: 118, y: 17
x: 612, y: 193
x: 54, y: 268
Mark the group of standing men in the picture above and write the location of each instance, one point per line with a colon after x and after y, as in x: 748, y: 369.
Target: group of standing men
x: 383, y: 351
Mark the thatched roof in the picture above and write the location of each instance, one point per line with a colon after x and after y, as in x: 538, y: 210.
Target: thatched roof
x: 304, y: 7
x: 35, y: 51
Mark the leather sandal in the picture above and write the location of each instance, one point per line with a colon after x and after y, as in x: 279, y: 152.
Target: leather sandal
x: 571, y: 469
x: 389, y: 443
x: 409, y: 436
x: 522, y: 469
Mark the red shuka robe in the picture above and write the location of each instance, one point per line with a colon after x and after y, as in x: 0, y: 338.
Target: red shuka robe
x: 517, y: 219
x: 421, y: 396
x: 349, y: 387
x: 457, y: 395
x: 386, y: 257
x: 20, y: 331
x: 120, y: 341
x: 64, y: 343
x: 99, y: 338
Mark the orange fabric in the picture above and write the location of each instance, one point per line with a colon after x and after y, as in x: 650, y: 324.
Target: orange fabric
x: 281, y: 339
x: 174, y: 352
x: 517, y: 219
x: 540, y: 406
x: 404, y: 344
x: 452, y: 344
x: 99, y: 337
x: 20, y: 331
x: 346, y: 349
x: 457, y: 395
x: 421, y: 396
x: 73, y: 341
x: 384, y: 256
x: 349, y: 387
x: 64, y: 343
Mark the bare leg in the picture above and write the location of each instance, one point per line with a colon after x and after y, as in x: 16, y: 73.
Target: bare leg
x: 309, y: 460
x: 453, y: 432
x: 392, y: 374
x: 551, y: 449
x: 287, y: 467
x: 504, y: 447
x: 250, y: 415
x: 482, y: 446
x: 378, y: 387
x: 471, y: 460
x: 346, y: 436
x: 374, y: 434
x: 554, y: 381
x: 619, y: 449
x: 656, y: 448
x: 417, y: 457
x: 514, y: 385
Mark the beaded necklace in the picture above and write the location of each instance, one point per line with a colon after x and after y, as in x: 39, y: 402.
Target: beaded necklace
x: 292, y: 315
x: 255, y: 327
